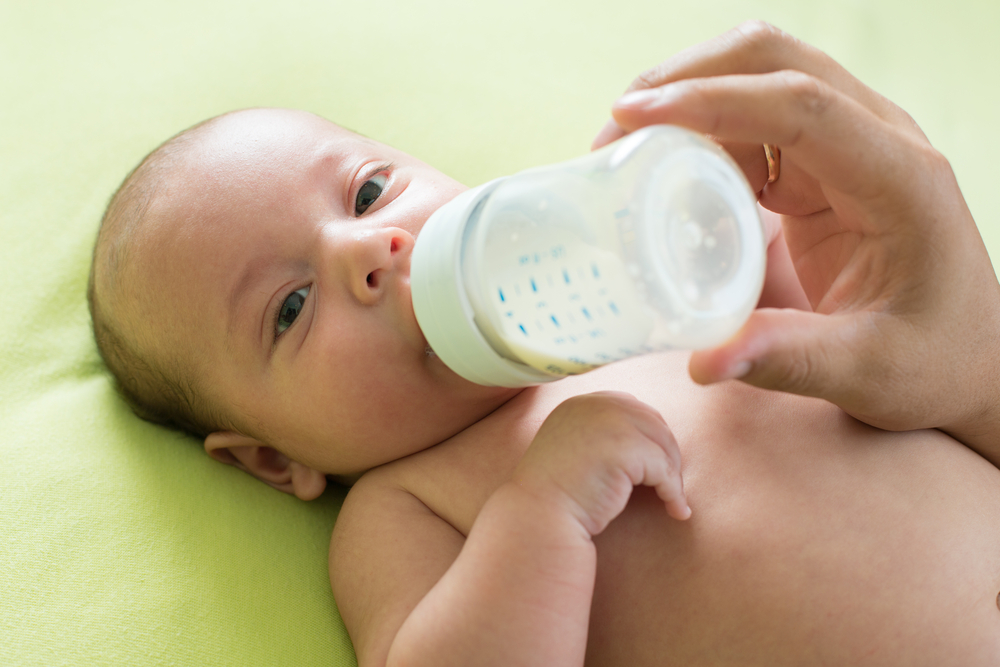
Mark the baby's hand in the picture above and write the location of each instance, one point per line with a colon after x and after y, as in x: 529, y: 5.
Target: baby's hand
x: 593, y: 449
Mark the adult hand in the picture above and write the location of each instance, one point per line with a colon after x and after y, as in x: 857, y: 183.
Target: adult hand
x: 905, y: 328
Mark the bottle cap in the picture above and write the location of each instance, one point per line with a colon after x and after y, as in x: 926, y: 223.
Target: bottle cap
x: 442, y: 306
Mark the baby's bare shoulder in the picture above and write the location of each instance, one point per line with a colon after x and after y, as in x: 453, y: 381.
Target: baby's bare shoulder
x: 387, y: 550
x: 446, y: 483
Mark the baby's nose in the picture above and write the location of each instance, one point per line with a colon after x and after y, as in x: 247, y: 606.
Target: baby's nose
x: 377, y: 256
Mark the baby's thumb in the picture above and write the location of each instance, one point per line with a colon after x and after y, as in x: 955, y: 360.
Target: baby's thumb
x: 789, y: 350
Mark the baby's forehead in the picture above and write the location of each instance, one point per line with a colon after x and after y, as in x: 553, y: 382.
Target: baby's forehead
x: 202, y: 186
x: 267, y: 141
x: 254, y: 158
x: 243, y: 172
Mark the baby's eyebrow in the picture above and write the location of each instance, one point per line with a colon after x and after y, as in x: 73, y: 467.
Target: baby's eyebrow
x: 253, y: 270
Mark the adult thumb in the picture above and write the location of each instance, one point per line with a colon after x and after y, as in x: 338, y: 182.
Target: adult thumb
x: 797, y: 351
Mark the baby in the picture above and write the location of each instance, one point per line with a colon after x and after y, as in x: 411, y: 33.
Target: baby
x: 251, y: 285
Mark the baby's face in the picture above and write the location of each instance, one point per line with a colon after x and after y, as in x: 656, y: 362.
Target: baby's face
x: 278, y: 261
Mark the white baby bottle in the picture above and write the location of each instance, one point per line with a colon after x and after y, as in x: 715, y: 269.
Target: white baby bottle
x: 650, y: 243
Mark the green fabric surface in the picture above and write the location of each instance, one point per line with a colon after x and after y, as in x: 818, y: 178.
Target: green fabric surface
x: 123, y: 543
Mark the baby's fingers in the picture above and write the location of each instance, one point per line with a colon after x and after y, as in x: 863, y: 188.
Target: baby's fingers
x: 662, y: 470
x: 669, y: 485
x: 677, y: 505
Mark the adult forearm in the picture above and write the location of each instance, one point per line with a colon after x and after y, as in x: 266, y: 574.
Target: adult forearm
x: 518, y: 593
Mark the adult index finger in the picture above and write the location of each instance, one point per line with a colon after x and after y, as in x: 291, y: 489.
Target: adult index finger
x: 750, y: 157
x: 756, y: 47
x: 828, y: 134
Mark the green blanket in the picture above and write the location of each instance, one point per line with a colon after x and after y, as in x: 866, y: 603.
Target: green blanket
x: 123, y: 543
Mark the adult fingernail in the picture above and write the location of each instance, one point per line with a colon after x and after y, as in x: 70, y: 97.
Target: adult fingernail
x: 737, y: 370
x: 639, y: 99
x: 608, y: 133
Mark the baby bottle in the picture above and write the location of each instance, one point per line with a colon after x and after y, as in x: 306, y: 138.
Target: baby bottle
x: 650, y: 243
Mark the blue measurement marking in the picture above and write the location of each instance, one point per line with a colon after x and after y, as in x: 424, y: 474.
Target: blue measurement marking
x: 566, y: 276
x: 523, y: 330
x: 534, y: 287
x: 510, y: 313
x: 501, y: 294
x: 593, y: 267
x: 622, y: 213
x: 554, y: 320
x: 614, y: 308
x: 587, y: 313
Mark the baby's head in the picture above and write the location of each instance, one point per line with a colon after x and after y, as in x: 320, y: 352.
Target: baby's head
x: 250, y: 285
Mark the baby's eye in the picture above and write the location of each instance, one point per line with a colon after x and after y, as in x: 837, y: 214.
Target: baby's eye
x: 369, y: 192
x: 290, y: 309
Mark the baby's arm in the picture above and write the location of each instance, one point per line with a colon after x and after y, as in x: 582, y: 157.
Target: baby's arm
x: 413, y: 591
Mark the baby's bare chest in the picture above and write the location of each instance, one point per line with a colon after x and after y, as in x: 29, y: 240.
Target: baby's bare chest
x: 456, y: 478
x: 811, y: 532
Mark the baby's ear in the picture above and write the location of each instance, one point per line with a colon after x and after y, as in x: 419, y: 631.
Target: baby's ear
x: 265, y: 463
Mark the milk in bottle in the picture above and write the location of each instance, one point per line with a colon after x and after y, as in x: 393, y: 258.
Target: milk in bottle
x: 650, y: 243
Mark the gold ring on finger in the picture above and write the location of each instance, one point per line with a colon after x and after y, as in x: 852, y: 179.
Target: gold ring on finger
x: 773, y: 155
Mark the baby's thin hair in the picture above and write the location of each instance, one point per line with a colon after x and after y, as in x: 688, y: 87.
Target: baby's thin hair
x: 155, y: 386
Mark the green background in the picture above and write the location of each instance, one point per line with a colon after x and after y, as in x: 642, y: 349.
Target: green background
x: 122, y: 543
